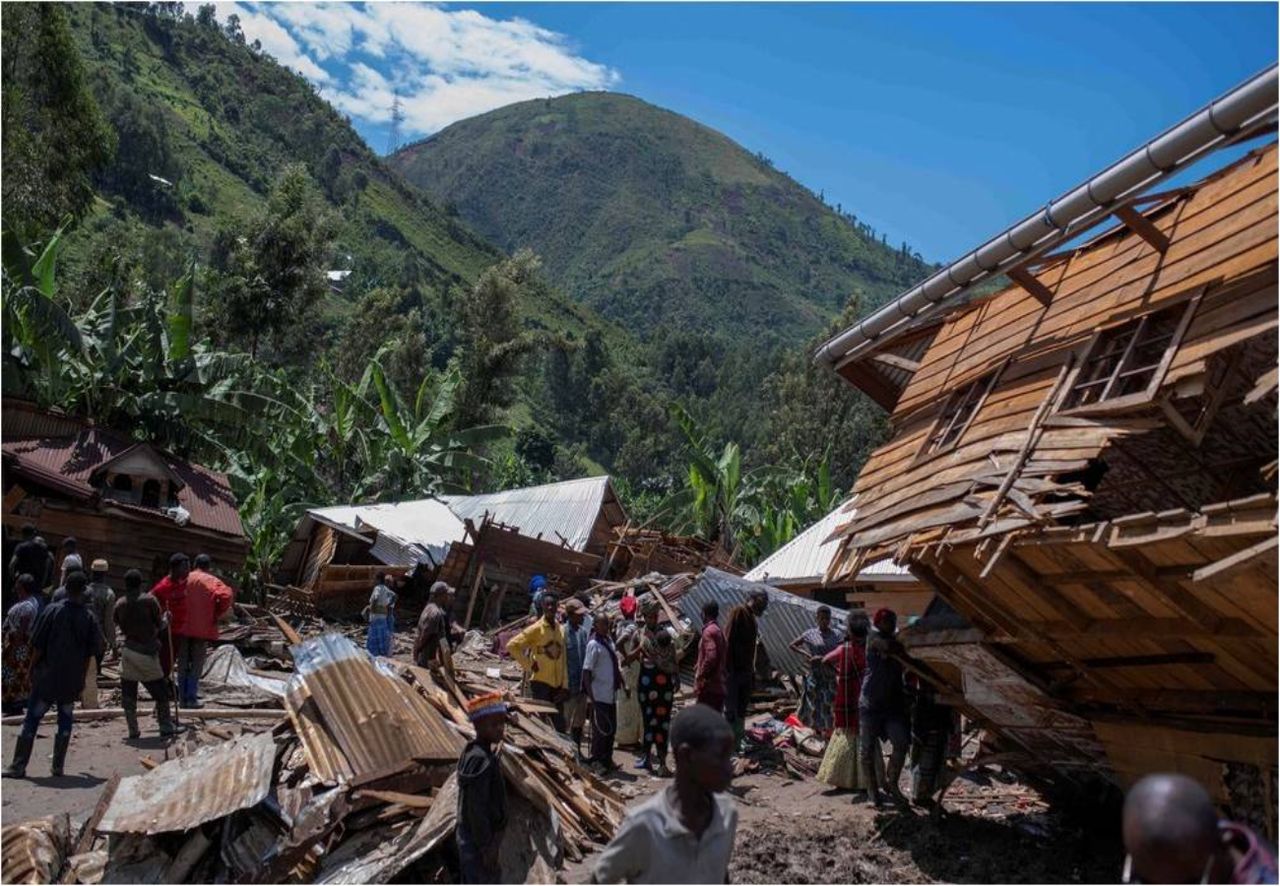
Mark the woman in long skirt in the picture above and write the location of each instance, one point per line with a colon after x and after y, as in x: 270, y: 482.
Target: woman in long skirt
x: 840, y: 765
x: 659, y: 680
x: 820, y: 682
x: 18, y: 623
x: 630, y: 721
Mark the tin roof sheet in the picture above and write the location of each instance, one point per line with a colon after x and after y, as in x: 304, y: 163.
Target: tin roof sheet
x: 554, y: 512
x: 425, y: 523
x: 806, y: 557
x: 785, y: 618
x: 188, y: 791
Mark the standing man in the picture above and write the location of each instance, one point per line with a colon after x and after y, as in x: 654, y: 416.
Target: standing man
x: 539, y: 650
x: 71, y: 559
x: 741, y: 639
x: 537, y: 584
x: 101, y: 601
x: 30, y: 558
x: 208, y: 599
x: 577, y: 633
x: 882, y: 707
x: 65, y: 636
x: 601, y: 678
x: 435, y: 629
x: 139, y: 618
x: 482, y: 792
x: 709, y: 672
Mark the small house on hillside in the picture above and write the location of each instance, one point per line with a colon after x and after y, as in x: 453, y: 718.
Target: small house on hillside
x: 1083, y: 465
x: 495, y: 541
x: 124, y: 500
x: 800, y: 567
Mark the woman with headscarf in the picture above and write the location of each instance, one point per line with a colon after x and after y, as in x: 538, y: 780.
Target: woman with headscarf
x: 841, y: 765
x: 630, y: 721
x: 659, y: 679
x: 820, y: 681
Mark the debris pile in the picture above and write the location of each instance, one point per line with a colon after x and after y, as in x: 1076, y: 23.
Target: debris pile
x: 354, y: 783
x: 643, y: 551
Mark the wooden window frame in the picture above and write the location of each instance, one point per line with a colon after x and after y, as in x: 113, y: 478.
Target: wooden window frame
x: 963, y: 393
x: 1146, y: 396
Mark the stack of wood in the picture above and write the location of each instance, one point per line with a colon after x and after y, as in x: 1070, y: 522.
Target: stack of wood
x: 355, y: 783
x: 636, y: 552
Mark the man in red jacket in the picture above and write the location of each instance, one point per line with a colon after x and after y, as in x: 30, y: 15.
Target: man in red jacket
x: 195, y: 600
x: 709, y: 673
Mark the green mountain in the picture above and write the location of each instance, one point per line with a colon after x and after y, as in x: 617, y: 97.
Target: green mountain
x: 206, y: 124
x: 654, y: 219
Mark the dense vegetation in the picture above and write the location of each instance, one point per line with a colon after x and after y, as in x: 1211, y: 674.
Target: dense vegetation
x: 198, y: 248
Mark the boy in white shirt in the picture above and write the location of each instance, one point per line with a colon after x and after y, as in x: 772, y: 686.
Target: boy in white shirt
x: 685, y: 832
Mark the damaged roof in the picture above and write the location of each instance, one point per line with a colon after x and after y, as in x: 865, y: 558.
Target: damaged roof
x: 805, y: 559
x: 563, y: 512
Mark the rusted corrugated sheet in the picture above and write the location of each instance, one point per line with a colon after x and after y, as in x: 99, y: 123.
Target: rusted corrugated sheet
x: 355, y: 719
x: 785, y: 618
x: 34, y: 851
x: 188, y: 791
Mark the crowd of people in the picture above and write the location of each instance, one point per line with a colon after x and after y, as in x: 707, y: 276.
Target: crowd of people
x: 57, y: 636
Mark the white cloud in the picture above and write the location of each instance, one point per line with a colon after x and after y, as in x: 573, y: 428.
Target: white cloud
x: 446, y: 64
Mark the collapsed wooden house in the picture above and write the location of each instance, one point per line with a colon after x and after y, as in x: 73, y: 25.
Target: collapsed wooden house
x: 123, y: 500
x: 481, y: 544
x: 1083, y: 465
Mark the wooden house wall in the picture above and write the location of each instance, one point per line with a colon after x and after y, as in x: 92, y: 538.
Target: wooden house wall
x: 1222, y: 234
x: 128, y: 541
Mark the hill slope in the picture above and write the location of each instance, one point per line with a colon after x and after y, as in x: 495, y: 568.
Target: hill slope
x: 654, y: 219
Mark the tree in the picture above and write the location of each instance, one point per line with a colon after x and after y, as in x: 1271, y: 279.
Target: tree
x: 54, y: 135
x: 269, y: 272
x: 493, y: 341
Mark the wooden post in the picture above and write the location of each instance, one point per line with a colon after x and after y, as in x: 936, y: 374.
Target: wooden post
x: 475, y: 592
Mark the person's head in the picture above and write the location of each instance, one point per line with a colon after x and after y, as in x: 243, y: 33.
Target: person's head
x: 25, y: 585
x: 380, y: 578
x: 203, y: 562
x: 28, y: 531
x: 69, y: 545
x: 702, y: 742
x: 132, y: 583
x: 72, y: 562
x: 537, y: 583
x: 549, y: 603
x: 99, y: 569
x: 627, y: 606
x: 488, y: 714
x: 857, y: 627
x: 1170, y: 831
x: 758, y: 601
x: 886, y: 622
x: 574, y: 611
x: 710, y: 612
x: 824, y: 618
x: 441, y: 592
x: 649, y: 609
x: 601, y: 624
x: 179, y: 566
x: 76, y: 583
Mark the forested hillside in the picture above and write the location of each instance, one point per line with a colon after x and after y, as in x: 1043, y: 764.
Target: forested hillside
x: 198, y: 248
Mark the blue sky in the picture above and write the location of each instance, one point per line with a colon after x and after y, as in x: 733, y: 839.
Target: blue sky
x: 938, y: 124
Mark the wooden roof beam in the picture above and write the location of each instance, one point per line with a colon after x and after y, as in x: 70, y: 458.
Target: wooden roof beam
x: 897, y: 362
x: 1028, y: 281
x: 1140, y: 225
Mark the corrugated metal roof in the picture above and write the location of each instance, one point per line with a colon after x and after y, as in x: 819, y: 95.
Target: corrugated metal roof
x: 67, y: 462
x: 364, y: 720
x: 806, y: 557
x: 785, y: 618
x: 33, y: 851
x: 426, y: 523
x: 180, y: 794
x: 554, y: 512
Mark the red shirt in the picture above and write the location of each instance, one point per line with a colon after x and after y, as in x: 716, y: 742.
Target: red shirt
x: 850, y: 663
x: 709, y: 674
x: 195, y: 604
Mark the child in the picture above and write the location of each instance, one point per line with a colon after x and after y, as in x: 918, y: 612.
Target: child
x: 482, y: 792
x: 684, y: 833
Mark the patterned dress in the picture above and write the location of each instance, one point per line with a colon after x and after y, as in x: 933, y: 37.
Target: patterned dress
x: 659, y: 675
x: 820, y: 682
x: 16, y: 672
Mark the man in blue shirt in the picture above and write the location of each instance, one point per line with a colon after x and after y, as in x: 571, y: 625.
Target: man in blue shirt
x: 577, y: 633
